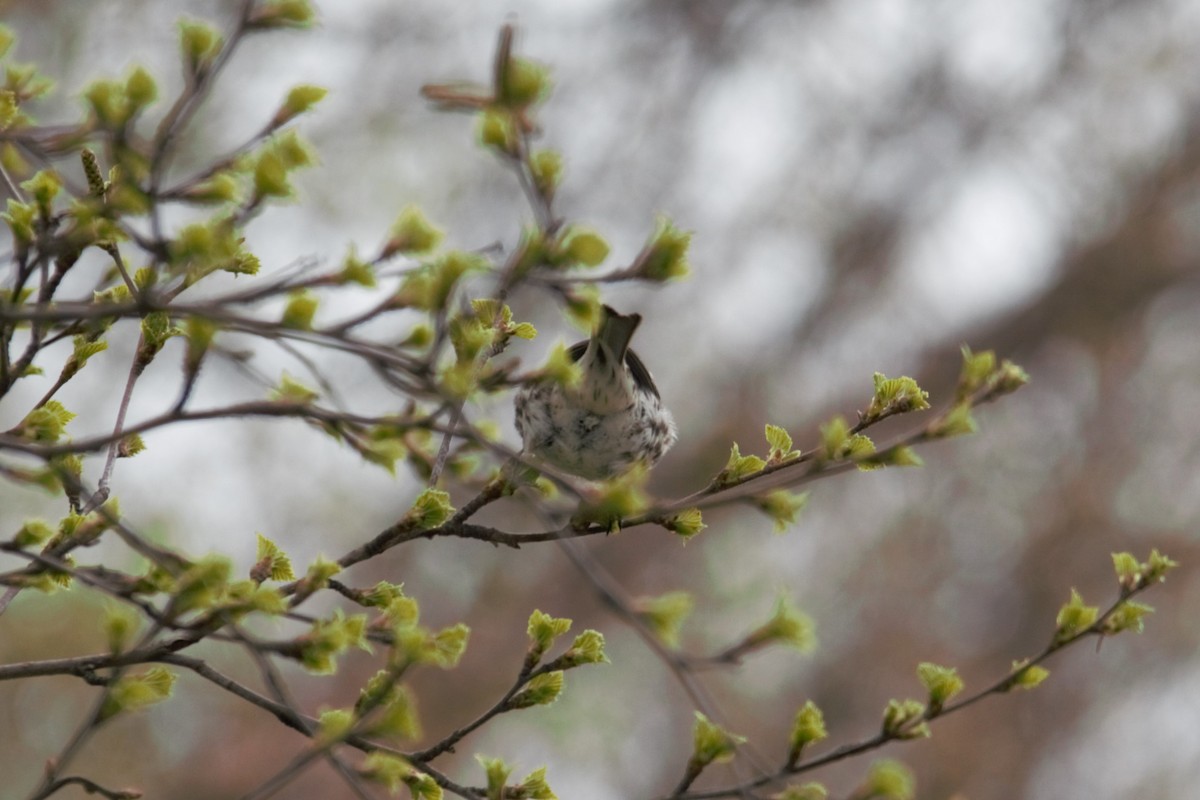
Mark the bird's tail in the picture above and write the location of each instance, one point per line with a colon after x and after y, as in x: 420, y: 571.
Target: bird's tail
x: 616, y: 330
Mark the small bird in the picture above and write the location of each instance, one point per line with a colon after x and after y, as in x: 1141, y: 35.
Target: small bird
x: 612, y: 420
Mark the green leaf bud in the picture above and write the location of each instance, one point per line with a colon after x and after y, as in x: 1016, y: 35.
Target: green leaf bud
x: 1129, y: 616
x: 782, y: 506
x: 382, y: 447
x: 977, y: 369
x: 43, y: 187
x: 402, y: 612
x: 291, y: 391
x: 712, y: 743
x: 807, y: 728
x: 1129, y: 571
x: 686, y: 523
x: 329, y: 638
x: 422, y: 786
x: 496, y: 130
x: 317, y: 576
x: 200, y: 43
x: 584, y: 246
x: 942, y: 683
x: 200, y: 586
x: 807, y: 791
x: 1010, y: 377
x: 135, y: 692
x: 283, y: 14
x: 299, y: 311
x: 895, y: 396
x: 889, y: 779
x: 524, y: 330
x: 546, y: 168
x: 958, y: 421
x: 418, y: 338
x: 665, y: 256
x: 588, y: 648
x: 1156, y: 568
x: 780, y: 443
x: 83, y: 349
x: 33, y: 532
x: 156, y: 330
x: 385, y: 769
x: 20, y: 218
x: 1074, y: 618
x: 293, y: 150
x: 431, y: 508
x: 271, y: 176
x: 300, y: 99
x: 220, y: 188
x: 382, y: 594
x: 905, y: 719
x: 120, y: 624
x: 272, y: 564
x: 449, y: 644
x: 523, y: 83
x: 130, y: 445
x: 140, y: 88
x: 1027, y: 677
x: 45, y: 424
x: 616, y: 499
x: 355, y: 270
x: 533, y: 787
x: 108, y: 102
x: 470, y: 337
x: 541, y: 690
x: 334, y: 724
x: 788, y: 625
x: 543, y: 630
x: 199, y: 333
x: 739, y: 467
x: 665, y: 615
x: 430, y: 287
x: 497, y: 775
x: 896, y: 457
x: 398, y: 711
x: 835, y: 435
x: 411, y: 233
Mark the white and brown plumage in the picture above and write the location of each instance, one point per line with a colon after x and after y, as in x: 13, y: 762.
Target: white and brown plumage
x: 612, y: 420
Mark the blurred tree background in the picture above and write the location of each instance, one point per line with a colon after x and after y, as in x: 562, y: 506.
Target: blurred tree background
x: 871, y: 184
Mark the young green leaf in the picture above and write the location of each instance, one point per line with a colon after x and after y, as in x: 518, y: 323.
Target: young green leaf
x: 666, y: 614
x: 541, y: 690
x: 1074, y: 618
x: 272, y: 564
x: 135, y: 692
x: 543, y: 630
x: 942, y: 683
x: 782, y: 506
x: 905, y: 719
x: 807, y: 728
x: 664, y: 256
x: 686, y: 523
x: 1027, y: 677
x: 711, y: 743
x: 739, y: 467
x: 889, y: 779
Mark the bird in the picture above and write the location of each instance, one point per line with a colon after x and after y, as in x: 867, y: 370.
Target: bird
x: 612, y: 420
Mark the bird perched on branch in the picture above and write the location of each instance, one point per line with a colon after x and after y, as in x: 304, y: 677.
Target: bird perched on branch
x: 610, y: 421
